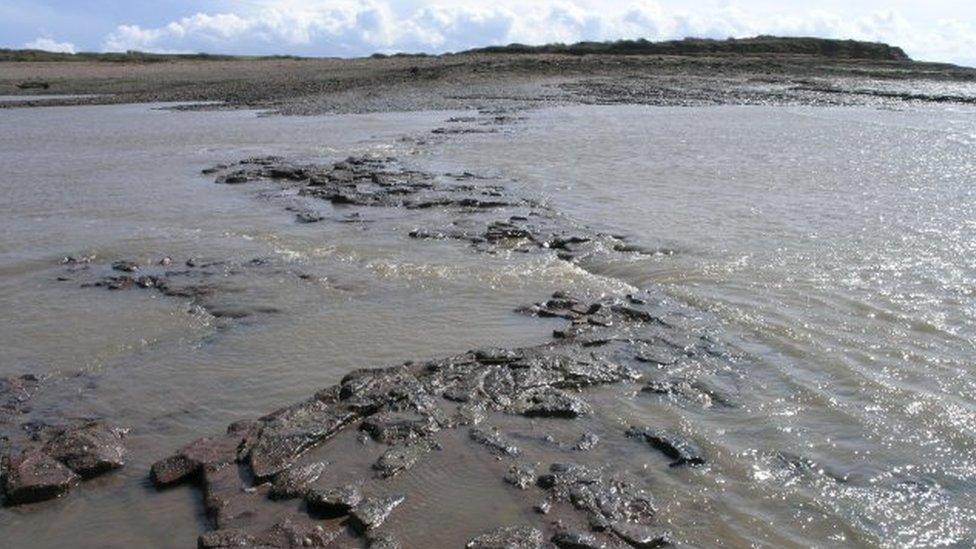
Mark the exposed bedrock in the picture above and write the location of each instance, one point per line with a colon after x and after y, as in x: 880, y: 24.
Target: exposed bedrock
x: 272, y: 480
x: 39, y: 462
x: 489, y: 216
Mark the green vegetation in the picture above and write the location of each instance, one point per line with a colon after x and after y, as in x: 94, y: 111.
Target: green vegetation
x: 760, y: 45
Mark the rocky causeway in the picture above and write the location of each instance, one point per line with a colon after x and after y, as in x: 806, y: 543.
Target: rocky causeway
x: 340, y: 467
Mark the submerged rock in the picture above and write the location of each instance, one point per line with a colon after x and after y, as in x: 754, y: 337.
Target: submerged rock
x: 495, y: 441
x: 605, y: 499
x: 642, y: 537
x: 521, y: 476
x: 676, y: 447
x: 569, y: 539
x: 400, y: 458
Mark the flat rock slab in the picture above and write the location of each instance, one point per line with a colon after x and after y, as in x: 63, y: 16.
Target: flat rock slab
x: 673, y: 445
x: 335, y: 502
x: 296, y: 481
x: 35, y: 476
x: 373, y: 512
x: 397, y: 416
x: 89, y: 450
x: 49, y: 462
x: 511, y: 537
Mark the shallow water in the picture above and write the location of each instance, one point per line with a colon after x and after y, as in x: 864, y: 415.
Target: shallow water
x: 836, y: 246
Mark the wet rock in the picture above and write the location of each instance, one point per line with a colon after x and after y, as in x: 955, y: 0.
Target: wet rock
x: 308, y: 217
x: 642, y: 537
x: 497, y: 356
x: 703, y: 391
x: 125, y: 266
x: 295, y: 481
x: 551, y: 402
x: 676, y: 447
x: 587, y: 442
x: 16, y: 394
x: 398, y: 427
x: 296, y: 532
x: 511, y: 537
x: 383, y: 541
x: 34, y: 476
x: 335, y: 502
x: 90, y: 449
x: 605, y: 499
x: 570, y: 539
x: 219, y: 539
x: 373, y: 512
x: 192, y: 459
x: 521, y: 476
x: 288, y: 433
x: 495, y: 441
x: 404, y: 406
x: 400, y: 458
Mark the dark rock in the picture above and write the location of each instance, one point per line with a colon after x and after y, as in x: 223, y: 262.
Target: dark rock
x: 587, y: 442
x: 569, y: 539
x: 125, y: 266
x: 34, y: 476
x: 335, y: 502
x: 400, y: 458
x: 373, y: 512
x: 90, y: 449
x: 520, y: 475
x: 382, y: 541
x: 495, y: 441
x: 605, y: 499
x: 398, y: 427
x: 288, y: 433
x: 295, y: 481
x: 681, y: 450
x: 640, y: 536
x: 212, y: 452
x: 551, y: 402
x: 308, y: 217
x: 511, y: 537
x: 497, y: 356
x: 219, y: 539
x: 296, y: 531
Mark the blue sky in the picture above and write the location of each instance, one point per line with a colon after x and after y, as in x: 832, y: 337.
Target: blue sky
x: 936, y: 30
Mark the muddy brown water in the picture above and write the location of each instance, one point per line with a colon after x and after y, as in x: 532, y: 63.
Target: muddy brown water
x: 835, y: 246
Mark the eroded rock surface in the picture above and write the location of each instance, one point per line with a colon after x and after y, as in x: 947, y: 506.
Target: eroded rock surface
x: 398, y: 418
x: 38, y: 461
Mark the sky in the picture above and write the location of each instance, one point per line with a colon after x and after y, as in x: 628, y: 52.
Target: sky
x: 934, y: 30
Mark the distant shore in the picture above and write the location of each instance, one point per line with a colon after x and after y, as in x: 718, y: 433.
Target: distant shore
x: 778, y: 71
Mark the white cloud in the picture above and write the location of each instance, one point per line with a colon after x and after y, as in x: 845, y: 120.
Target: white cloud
x: 48, y: 44
x: 361, y: 27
